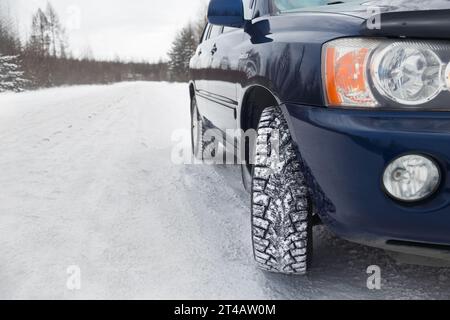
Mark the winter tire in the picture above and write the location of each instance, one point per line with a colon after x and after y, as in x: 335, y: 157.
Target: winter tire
x: 281, y: 215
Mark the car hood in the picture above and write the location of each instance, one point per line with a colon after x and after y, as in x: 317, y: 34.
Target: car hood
x: 407, y: 5
x: 363, y: 9
x: 398, y: 18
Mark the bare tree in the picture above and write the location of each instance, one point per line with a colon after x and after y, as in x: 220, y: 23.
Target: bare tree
x: 9, y: 39
x: 39, y: 42
x: 45, y: 61
x: 47, y: 34
x: 58, y: 44
x: 201, y: 22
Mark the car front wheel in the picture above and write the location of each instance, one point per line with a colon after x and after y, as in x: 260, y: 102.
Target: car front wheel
x: 281, y: 210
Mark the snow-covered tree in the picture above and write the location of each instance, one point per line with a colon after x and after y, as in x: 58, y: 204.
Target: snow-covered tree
x: 183, y: 48
x: 185, y: 44
x: 11, y: 74
x: 11, y: 77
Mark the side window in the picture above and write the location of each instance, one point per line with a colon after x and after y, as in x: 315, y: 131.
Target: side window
x: 206, y: 32
x: 215, y: 32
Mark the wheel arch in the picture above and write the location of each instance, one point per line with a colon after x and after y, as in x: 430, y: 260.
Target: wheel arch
x: 248, y: 114
x: 255, y: 99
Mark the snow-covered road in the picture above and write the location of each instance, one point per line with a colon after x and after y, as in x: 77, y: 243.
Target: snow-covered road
x: 86, y: 179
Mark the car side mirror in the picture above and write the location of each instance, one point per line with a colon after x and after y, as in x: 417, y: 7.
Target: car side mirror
x: 228, y: 13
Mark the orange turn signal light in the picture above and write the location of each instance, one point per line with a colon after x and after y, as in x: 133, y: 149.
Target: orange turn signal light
x: 345, y: 77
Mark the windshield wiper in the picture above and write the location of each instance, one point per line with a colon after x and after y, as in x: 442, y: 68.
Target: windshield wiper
x: 335, y: 2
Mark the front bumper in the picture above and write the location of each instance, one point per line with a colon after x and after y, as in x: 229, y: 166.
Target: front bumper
x: 345, y: 153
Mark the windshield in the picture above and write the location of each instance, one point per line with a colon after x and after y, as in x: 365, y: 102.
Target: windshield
x: 287, y: 5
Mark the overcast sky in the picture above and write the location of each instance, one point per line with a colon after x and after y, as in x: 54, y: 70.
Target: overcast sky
x: 131, y: 29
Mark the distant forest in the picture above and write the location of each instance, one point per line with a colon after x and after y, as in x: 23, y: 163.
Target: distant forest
x: 44, y: 59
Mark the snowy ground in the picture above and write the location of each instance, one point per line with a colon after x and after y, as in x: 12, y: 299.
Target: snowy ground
x: 87, y: 179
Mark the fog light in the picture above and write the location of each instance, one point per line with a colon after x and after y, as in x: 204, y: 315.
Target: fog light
x: 411, y: 178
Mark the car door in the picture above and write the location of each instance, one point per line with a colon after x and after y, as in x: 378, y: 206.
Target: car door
x: 199, y: 68
x: 222, y: 83
x: 217, y: 107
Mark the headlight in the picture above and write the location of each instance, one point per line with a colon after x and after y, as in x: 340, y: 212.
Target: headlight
x: 411, y: 178
x: 371, y: 73
x: 408, y: 75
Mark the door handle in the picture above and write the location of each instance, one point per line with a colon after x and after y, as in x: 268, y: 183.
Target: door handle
x: 200, y: 52
x: 244, y: 56
x: 214, y: 49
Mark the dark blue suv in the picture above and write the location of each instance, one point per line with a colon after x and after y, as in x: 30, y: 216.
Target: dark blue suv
x: 349, y: 102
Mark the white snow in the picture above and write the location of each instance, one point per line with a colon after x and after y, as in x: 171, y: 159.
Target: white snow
x: 86, y: 179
